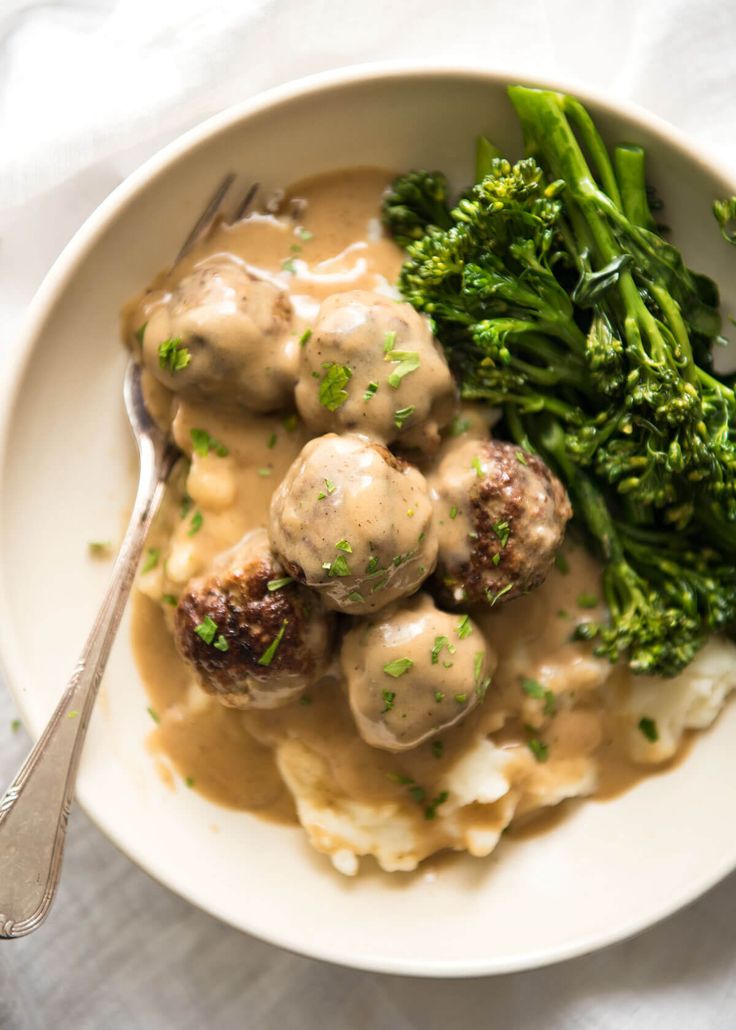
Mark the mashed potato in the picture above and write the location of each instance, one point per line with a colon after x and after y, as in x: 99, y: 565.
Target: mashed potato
x: 490, y: 785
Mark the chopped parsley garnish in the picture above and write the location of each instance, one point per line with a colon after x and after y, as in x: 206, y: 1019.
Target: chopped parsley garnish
x: 649, y: 728
x: 562, y: 614
x: 338, y: 567
x: 538, y: 749
x: 72, y: 713
x: 439, y: 644
x: 458, y: 426
x: 388, y: 342
x: 278, y: 584
x: 169, y: 599
x: 329, y: 489
x: 189, y: 781
x: 152, y: 557
x: 203, y: 443
x: 587, y: 600
x: 289, y: 423
x: 502, y: 531
x: 461, y: 698
x: 464, y: 627
x: 332, y: 392
x: 154, y: 715
x: 430, y: 812
x: 492, y: 598
x: 271, y: 442
x: 437, y: 748
x: 370, y: 391
x: 295, y: 248
x: 140, y: 332
x: 561, y: 563
x: 196, y: 524
x: 356, y: 597
x: 206, y: 630
x: 268, y: 655
x: 521, y: 458
x: 407, y: 361
x: 99, y: 548
x: 221, y: 644
x: 186, y: 505
x: 380, y: 581
x: 343, y: 545
x: 265, y: 472
x: 453, y: 511
x: 402, y: 415
x: 439, y: 696
x: 173, y: 355
x: 389, y: 696
x: 15, y: 725
x: 372, y: 566
x: 288, y: 265
x: 478, y: 659
x: 475, y: 464
x: 305, y: 337
x: 304, y: 234
x: 398, y: 667
x: 496, y: 559
x: 532, y: 688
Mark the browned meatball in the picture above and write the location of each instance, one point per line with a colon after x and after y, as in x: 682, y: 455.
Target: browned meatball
x: 500, y: 516
x: 253, y: 640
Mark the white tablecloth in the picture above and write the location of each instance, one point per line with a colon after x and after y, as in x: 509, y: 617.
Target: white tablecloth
x: 88, y: 88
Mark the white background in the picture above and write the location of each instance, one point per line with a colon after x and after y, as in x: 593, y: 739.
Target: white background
x: 88, y: 89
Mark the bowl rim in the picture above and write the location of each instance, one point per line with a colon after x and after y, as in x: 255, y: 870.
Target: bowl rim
x: 52, y: 288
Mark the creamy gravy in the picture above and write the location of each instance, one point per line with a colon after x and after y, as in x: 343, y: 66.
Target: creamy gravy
x: 334, y: 243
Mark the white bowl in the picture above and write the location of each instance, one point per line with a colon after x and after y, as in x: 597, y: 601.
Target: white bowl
x: 66, y: 477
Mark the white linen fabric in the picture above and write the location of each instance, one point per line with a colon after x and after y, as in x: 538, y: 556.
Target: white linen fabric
x: 88, y: 89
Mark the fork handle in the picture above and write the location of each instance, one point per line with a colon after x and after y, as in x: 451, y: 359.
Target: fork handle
x: 34, y: 811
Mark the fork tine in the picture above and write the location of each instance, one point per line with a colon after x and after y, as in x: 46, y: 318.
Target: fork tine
x: 245, y: 203
x: 205, y: 219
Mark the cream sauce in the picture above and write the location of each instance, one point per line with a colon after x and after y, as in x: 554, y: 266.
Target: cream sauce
x: 335, y: 244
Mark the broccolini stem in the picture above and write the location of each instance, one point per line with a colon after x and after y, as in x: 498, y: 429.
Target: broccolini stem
x: 629, y: 163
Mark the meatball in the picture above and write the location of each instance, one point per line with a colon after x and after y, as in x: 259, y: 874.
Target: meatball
x: 222, y: 335
x: 255, y: 638
x: 501, y: 517
x: 412, y: 672
x: 371, y: 365
x: 354, y: 522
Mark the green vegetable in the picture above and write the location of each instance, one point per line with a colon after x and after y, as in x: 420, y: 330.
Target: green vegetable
x: 173, y: 355
x: 338, y: 567
x: 370, y: 391
x: 437, y: 748
x: 406, y: 360
x: 398, y: 667
x: 206, y: 629
x: 152, y: 557
x: 332, y: 392
x: 538, y: 749
x: 268, y: 655
x: 196, y: 523
x: 154, y: 715
x: 278, y: 584
x: 402, y: 415
x: 389, y: 696
x: 649, y: 728
x: 557, y: 298
x: 464, y: 628
x: 202, y: 443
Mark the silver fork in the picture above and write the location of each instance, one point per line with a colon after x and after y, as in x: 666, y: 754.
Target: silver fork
x: 34, y: 811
